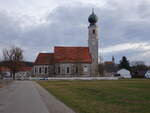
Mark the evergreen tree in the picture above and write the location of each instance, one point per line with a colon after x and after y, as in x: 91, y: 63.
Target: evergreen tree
x: 124, y: 63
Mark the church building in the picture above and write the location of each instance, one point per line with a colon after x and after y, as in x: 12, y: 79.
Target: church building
x: 71, y: 61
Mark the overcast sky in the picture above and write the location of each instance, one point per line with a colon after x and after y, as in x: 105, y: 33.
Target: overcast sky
x: 39, y: 25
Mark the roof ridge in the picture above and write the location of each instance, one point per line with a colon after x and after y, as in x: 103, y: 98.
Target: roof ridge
x: 72, y: 46
x: 46, y: 53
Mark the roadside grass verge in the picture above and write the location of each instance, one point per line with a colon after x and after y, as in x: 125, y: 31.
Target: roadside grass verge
x: 1, y: 85
x: 4, y: 83
x: 114, y: 96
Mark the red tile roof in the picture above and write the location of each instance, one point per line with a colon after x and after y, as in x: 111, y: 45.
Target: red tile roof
x: 108, y: 62
x: 44, y: 59
x: 72, y: 54
x: 4, y: 69
x: 17, y: 69
x: 24, y: 69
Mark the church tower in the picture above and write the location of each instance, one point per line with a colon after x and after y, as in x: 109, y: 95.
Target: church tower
x: 93, y: 43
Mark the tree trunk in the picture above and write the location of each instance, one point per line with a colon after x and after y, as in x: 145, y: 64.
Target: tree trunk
x: 13, y: 74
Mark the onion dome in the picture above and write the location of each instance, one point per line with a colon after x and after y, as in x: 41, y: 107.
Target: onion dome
x: 92, y: 18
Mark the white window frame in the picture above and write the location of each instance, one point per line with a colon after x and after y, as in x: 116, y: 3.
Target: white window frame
x: 85, y: 68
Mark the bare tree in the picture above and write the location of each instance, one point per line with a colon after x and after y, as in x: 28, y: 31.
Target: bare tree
x: 1, y: 75
x: 139, y: 70
x: 12, y: 58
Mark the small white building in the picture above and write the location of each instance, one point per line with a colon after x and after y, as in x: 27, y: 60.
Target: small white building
x: 4, y: 72
x: 124, y: 73
x: 23, y: 73
x: 147, y: 74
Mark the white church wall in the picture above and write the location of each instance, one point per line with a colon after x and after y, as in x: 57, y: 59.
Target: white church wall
x: 43, y: 70
x: 61, y: 69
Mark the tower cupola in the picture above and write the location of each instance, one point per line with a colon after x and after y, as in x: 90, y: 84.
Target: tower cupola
x: 93, y: 18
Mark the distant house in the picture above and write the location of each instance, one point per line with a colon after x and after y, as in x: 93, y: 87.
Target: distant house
x: 147, y: 74
x: 124, y: 73
x: 5, y: 72
x: 23, y: 71
x: 110, y: 68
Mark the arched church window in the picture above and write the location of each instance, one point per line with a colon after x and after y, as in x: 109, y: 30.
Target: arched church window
x: 76, y: 70
x: 45, y: 70
x: 40, y: 70
x: 35, y: 70
x: 68, y: 70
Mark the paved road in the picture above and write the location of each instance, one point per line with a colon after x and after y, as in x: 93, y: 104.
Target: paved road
x: 29, y: 97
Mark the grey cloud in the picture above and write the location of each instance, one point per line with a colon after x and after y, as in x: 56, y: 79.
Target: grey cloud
x: 143, y: 9
x: 8, y: 27
x: 68, y: 26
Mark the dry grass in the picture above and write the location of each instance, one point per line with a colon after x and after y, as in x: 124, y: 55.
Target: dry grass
x: 4, y: 83
x: 121, y: 96
x: 1, y: 85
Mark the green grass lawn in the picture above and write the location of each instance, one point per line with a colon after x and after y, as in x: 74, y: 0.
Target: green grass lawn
x: 118, y: 96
